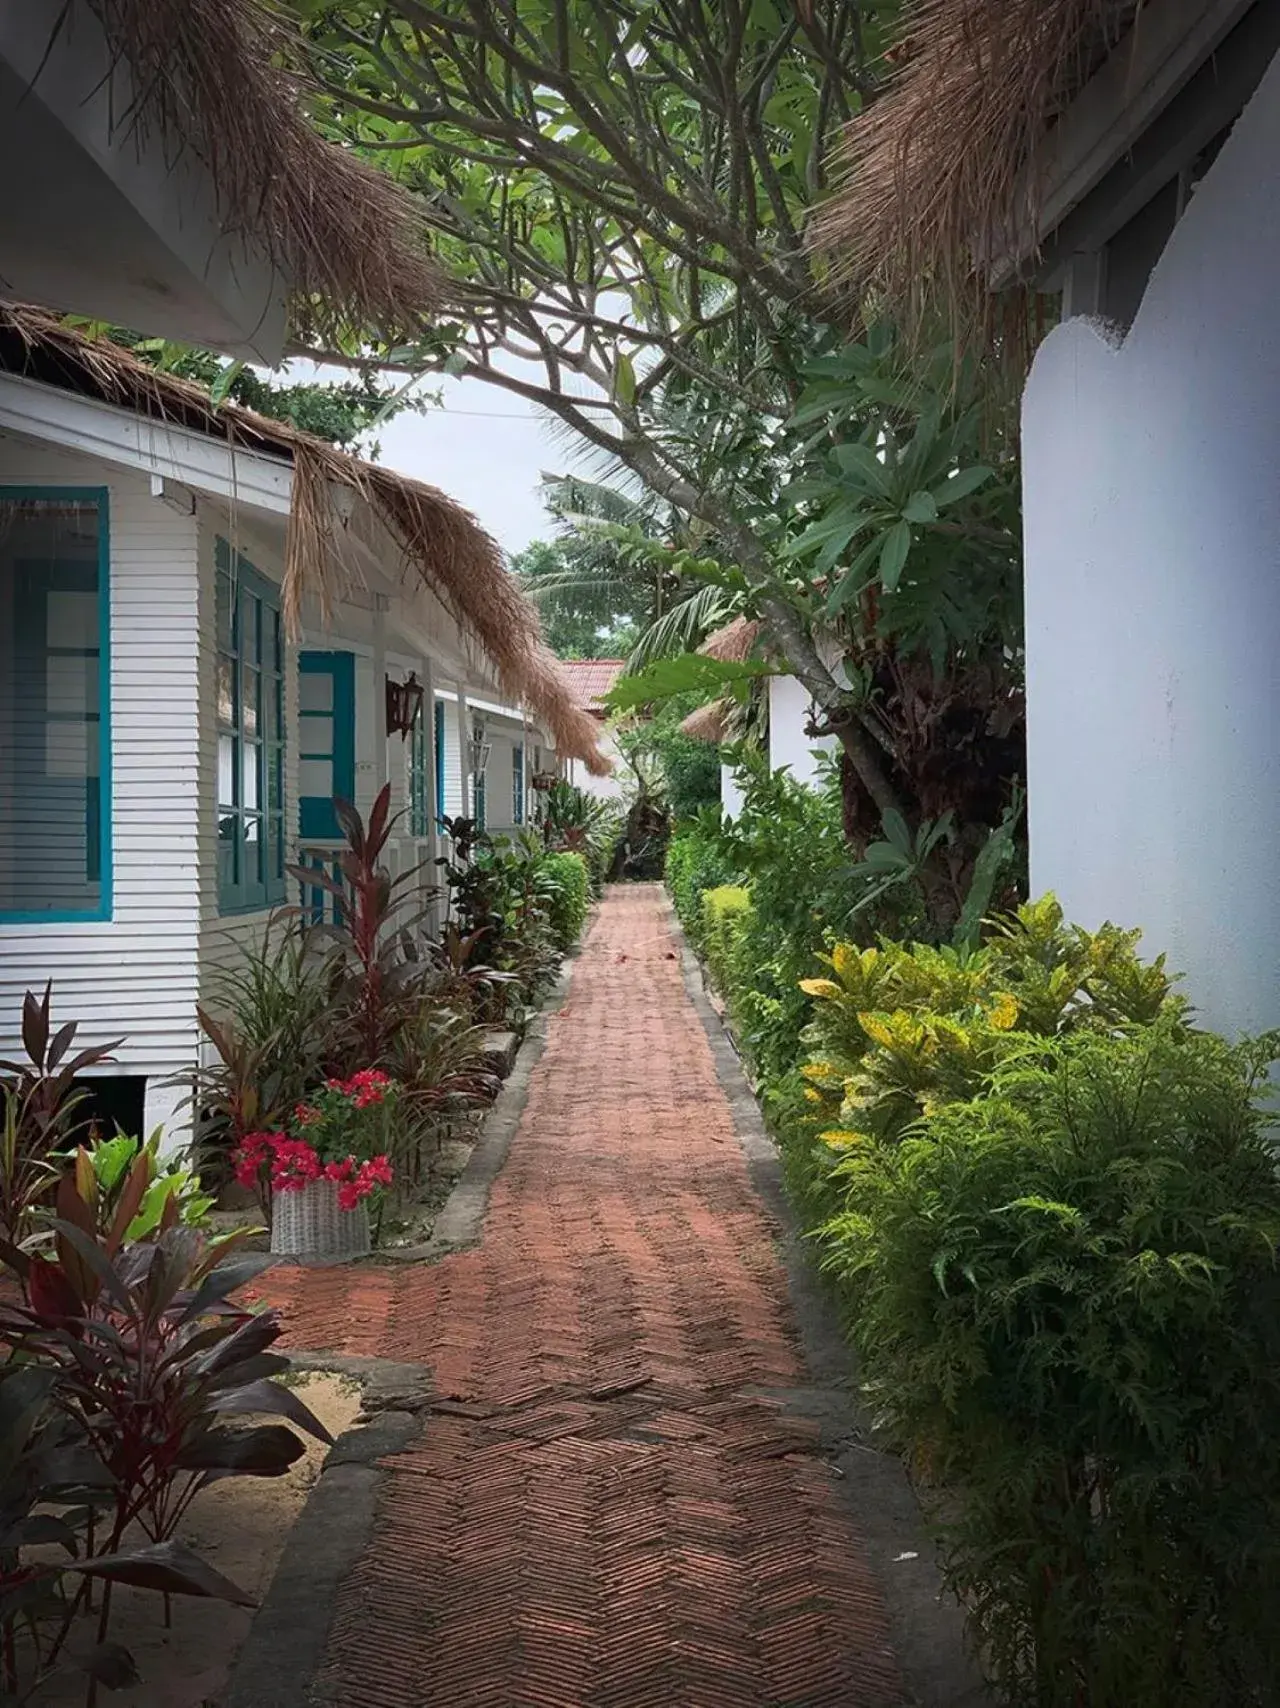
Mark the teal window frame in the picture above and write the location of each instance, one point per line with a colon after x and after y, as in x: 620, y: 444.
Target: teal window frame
x: 244, y: 892
x: 99, y: 495
x: 317, y: 820
x: 517, y: 782
x: 439, y: 740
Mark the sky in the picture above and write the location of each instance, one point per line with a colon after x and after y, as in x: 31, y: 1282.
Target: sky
x: 485, y: 447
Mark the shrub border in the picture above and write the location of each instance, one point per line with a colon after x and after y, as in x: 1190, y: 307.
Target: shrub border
x: 927, y: 1625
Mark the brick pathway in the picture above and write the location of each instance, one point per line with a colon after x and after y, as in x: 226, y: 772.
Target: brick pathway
x: 607, y: 1507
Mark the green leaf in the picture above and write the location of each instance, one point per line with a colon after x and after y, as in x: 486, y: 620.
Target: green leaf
x: 861, y: 464
x: 897, y: 833
x: 921, y: 507
x: 961, y: 484
x: 690, y: 672
x: 225, y: 380
x: 893, y: 555
x: 624, y: 379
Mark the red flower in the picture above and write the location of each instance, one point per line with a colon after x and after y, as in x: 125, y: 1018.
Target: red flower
x: 251, y: 1155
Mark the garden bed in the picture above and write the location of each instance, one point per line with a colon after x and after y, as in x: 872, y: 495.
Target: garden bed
x: 240, y: 1527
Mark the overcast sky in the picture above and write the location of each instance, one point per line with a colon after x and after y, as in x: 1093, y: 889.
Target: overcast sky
x: 485, y: 447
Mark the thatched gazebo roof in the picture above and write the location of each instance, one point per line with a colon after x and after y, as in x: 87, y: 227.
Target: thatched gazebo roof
x: 709, y: 723
x: 230, y: 80
x: 940, y: 174
x: 734, y: 643
x: 442, y: 544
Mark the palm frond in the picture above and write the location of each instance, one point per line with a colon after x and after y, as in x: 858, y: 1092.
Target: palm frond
x: 682, y: 627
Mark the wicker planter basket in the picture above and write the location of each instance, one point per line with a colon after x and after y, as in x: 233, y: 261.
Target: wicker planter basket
x: 310, y: 1224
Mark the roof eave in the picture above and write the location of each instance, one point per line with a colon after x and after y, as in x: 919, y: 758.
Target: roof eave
x: 1145, y: 72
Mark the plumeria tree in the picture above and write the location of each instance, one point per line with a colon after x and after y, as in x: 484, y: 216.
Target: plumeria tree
x: 620, y: 188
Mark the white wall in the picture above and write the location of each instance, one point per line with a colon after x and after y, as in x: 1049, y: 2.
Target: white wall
x: 789, y: 704
x: 453, y: 803
x: 608, y: 788
x: 134, y: 974
x: 731, y: 796
x: 1152, y: 506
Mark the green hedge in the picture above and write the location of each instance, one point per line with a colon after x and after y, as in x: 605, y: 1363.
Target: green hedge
x: 696, y: 862
x: 1051, y: 1209
x: 1049, y: 1206
x: 568, y: 892
x: 725, y: 912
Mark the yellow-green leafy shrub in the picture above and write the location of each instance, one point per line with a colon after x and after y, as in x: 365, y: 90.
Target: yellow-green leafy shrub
x: 696, y: 862
x: 725, y: 912
x: 899, y: 1030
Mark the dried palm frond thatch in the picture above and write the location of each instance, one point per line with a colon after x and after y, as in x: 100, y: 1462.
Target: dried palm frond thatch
x: 941, y: 172
x: 709, y: 723
x: 230, y: 80
x: 444, y: 550
x: 734, y: 643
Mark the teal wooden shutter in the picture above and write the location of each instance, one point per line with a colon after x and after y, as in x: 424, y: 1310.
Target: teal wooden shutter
x: 326, y: 741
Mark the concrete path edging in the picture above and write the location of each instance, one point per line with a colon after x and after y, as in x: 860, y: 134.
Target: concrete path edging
x: 927, y: 1625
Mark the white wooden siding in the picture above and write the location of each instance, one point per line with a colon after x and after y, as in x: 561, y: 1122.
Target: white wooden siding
x: 134, y: 974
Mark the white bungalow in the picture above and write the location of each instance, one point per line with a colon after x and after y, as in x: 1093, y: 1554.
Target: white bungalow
x: 1121, y: 162
x: 209, y: 627
x: 205, y: 621
x: 786, y: 715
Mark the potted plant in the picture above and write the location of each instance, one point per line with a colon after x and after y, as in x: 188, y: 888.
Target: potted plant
x: 321, y: 1174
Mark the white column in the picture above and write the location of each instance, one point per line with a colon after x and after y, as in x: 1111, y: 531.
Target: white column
x: 431, y: 877
x: 464, y: 749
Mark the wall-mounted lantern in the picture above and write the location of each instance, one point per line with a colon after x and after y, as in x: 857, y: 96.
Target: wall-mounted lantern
x: 404, y: 705
x: 479, y: 750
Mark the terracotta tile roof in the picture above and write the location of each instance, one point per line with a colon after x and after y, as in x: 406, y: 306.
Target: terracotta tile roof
x: 590, y: 679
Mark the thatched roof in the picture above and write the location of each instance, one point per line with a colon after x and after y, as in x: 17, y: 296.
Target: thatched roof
x: 443, y: 545
x: 941, y: 170
x: 709, y: 723
x: 733, y: 644
x: 229, y: 79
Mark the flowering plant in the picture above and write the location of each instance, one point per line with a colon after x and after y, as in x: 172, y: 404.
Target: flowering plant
x: 334, y: 1138
x: 347, y: 1117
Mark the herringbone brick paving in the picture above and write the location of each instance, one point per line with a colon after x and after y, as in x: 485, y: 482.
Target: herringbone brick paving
x: 606, y: 1509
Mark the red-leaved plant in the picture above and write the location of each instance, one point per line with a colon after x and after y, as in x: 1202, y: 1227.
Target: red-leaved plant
x: 40, y: 1106
x: 149, y: 1359
x: 379, y: 975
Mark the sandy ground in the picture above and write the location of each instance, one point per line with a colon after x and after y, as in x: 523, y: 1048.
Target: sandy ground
x: 239, y: 1527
